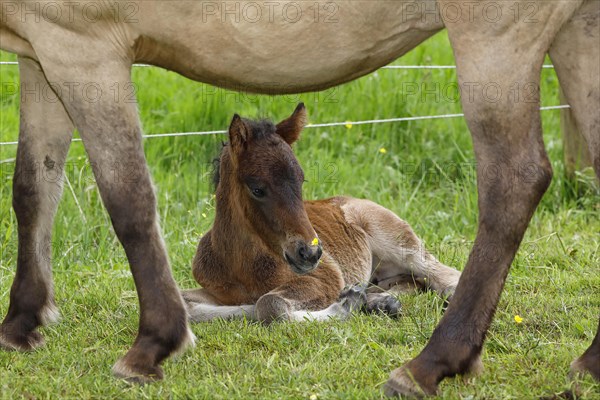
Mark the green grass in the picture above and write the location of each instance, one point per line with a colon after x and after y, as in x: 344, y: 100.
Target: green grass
x: 426, y: 176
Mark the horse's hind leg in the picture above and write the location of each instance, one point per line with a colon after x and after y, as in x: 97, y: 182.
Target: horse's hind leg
x: 104, y: 111
x: 513, y: 172
x: 44, y: 138
x: 575, y: 53
x: 398, y: 253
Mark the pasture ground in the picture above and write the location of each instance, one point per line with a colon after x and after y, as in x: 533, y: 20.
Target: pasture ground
x: 425, y: 173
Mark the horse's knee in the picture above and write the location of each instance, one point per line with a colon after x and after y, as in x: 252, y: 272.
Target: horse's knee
x: 133, y: 213
x: 271, y: 307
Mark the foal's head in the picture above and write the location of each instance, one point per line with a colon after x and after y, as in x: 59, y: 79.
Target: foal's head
x: 265, y: 182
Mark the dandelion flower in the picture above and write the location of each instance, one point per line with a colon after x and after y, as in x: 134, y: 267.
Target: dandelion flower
x: 382, y: 150
x: 518, y: 319
x: 315, y: 241
x: 348, y: 124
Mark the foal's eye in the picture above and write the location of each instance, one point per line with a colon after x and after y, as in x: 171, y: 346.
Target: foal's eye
x: 258, y: 193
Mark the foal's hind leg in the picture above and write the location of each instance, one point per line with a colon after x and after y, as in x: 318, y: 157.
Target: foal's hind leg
x: 575, y: 53
x: 398, y: 253
x: 108, y: 123
x: 44, y: 138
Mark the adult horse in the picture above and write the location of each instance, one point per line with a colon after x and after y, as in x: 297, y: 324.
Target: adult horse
x: 83, y: 51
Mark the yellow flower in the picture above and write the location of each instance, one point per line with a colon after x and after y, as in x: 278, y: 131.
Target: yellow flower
x: 518, y: 319
x: 348, y: 124
x: 203, y: 215
x: 313, y: 397
x: 382, y: 150
x: 315, y: 241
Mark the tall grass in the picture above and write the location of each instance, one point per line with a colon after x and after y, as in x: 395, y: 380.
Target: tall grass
x: 426, y: 175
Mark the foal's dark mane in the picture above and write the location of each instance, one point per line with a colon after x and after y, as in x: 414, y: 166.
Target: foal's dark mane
x: 260, y: 129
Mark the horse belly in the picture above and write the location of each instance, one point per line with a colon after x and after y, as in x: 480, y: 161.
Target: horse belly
x: 280, y: 47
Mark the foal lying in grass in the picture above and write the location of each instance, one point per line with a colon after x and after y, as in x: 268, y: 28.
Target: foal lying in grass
x: 269, y: 255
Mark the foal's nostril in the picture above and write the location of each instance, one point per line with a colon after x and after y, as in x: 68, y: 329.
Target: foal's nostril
x: 303, y: 252
x: 309, y: 254
x: 319, y: 252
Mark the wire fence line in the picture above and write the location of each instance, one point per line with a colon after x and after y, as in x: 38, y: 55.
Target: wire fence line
x: 319, y: 125
x: 323, y: 125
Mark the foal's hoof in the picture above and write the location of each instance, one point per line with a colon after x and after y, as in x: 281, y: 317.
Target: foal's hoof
x: 402, y: 383
x: 383, y: 303
x: 10, y: 339
x: 134, y: 372
x: 353, y: 297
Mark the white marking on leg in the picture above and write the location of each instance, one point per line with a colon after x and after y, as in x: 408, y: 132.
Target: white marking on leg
x: 49, y: 314
x: 336, y: 310
x: 198, y: 312
x: 189, y: 341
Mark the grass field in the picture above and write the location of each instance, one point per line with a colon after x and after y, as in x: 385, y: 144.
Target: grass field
x: 426, y: 175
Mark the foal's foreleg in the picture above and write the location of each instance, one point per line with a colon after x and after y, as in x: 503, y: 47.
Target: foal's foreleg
x: 310, y: 297
x: 202, y: 307
x: 44, y: 138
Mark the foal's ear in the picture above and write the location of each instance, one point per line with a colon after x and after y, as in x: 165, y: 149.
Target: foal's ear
x: 238, y: 133
x: 289, y: 129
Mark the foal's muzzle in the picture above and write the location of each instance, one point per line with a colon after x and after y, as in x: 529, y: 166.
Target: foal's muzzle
x: 305, y: 258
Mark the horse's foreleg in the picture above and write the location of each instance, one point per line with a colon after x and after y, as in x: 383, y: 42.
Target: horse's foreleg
x: 513, y: 172
x: 103, y: 109
x: 575, y: 53
x: 44, y: 138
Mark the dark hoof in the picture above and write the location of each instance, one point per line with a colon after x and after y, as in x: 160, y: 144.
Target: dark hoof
x: 354, y: 297
x: 11, y: 339
x: 141, y: 363
x: 402, y: 384
x: 383, y: 303
x: 586, y: 364
x: 136, y: 372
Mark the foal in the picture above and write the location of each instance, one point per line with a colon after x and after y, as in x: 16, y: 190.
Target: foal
x: 269, y: 255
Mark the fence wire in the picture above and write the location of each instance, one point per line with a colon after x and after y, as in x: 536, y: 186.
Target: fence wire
x: 320, y: 125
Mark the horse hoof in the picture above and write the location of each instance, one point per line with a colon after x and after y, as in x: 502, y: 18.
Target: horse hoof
x: 136, y: 374
x: 402, y: 384
x: 585, y: 365
x: 383, y: 303
x: 354, y: 297
x: 11, y: 340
